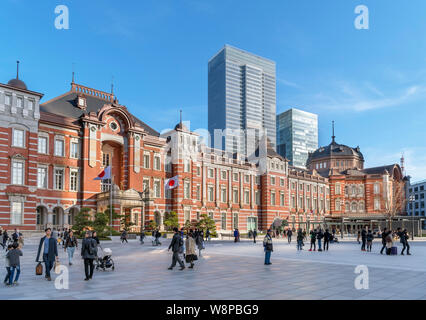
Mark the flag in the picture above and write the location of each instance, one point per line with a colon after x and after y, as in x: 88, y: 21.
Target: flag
x: 105, y: 174
x: 171, y: 183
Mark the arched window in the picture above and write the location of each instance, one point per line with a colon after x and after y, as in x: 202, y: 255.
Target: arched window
x: 353, y: 190
x: 354, y: 207
x: 347, y: 207
x: 361, y: 206
x: 361, y: 189
x: 337, y: 205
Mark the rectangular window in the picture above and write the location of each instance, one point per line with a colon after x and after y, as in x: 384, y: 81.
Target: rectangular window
x: 157, y: 189
x: 30, y: 104
x: 281, y: 199
x: 186, y: 215
x: 8, y: 99
x: 235, y: 220
x: 19, y: 102
x: 223, y: 221
x: 157, y: 162
x: 59, y: 148
x: 168, y: 164
x: 168, y: 194
x: 106, y: 159
x: 186, y: 189
x: 235, y: 195
x: 198, y: 193
x: 273, y: 198
x: 210, y: 173
x: 18, y: 138
x: 235, y: 176
x: 74, y: 152
x: 187, y: 166
x: 223, y: 174
x: 273, y: 181
x: 247, y: 197
x: 210, y: 194
x: 146, y: 161
x: 293, y: 202
x: 257, y: 180
x: 337, y: 191
x: 17, y: 212
x: 247, y: 178
x: 223, y: 195
x: 42, y: 177
x: 106, y: 185
x: 257, y: 195
x: 282, y: 182
x: 145, y: 185
x: 42, y: 145
x: 73, y: 180
x: 59, y: 179
x: 17, y: 172
x: 376, y: 204
x: 376, y: 188
x: 198, y: 171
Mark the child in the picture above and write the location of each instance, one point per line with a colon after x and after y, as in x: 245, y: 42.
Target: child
x: 370, y: 238
x: 7, y: 264
x: 15, y: 264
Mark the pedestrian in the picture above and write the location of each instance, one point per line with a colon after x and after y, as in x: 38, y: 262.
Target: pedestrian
x: 199, y: 242
x: 190, y: 250
x: 267, y: 245
x: 289, y: 234
x: 254, y: 236
x: 250, y: 233
x: 370, y: 238
x: 358, y: 237
x: 157, y: 237
x: 142, y: 237
x: 88, y: 253
x: 313, y: 235
x: 21, y: 240
x: 403, y: 238
x: 95, y: 237
x: 1, y: 238
x: 175, y: 245
x: 320, y: 235
x: 299, y: 239
x: 363, y: 238
x: 15, y: 236
x: 389, y: 243
x: 71, y: 244
x: 5, y: 238
x: 208, y: 234
x: 49, y: 250
x: 14, y: 263
x: 66, y: 234
x: 327, y: 237
x: 123, y: 236
x: 7, y: 264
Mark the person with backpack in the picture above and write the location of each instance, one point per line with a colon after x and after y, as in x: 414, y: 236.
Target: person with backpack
x: 267, y: 245
x: 370, y: 238
x: 384, y: 236
x: 49, y: 251
x: 313, y: 235
x: 89, y: 254
x: 320, y: 235
x: 299, y: 239
x: 142, y: 237
x: 236, y: 235
x: 157, y: 237
x: 327, y: 238
x: 176, y: 245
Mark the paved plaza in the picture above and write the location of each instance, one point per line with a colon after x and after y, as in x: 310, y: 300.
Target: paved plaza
x: 232, y: 271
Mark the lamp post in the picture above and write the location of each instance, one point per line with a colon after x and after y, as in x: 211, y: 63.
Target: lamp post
x: 411, y: 200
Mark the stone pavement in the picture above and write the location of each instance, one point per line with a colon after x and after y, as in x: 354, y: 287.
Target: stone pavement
x: 230, y: 271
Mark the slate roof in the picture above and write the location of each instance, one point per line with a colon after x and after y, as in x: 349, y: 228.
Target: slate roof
x: 66, y: 106
x: 335, y: 149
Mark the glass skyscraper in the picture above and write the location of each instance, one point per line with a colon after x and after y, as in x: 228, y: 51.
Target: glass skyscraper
x: 241, y: 99
x: 297, y: 135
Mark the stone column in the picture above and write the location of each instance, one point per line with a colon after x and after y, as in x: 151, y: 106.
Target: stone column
x: 162, y: 221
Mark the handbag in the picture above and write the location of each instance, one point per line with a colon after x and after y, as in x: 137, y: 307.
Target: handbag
x: 57, y: 267
x: 39, y: 269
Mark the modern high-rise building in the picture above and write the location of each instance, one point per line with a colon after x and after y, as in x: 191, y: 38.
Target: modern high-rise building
x: 241, y: 98
x: 297, y: 135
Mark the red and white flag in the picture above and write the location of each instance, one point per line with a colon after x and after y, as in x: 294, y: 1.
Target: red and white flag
x: 105, y: 174
x: 171, y: 183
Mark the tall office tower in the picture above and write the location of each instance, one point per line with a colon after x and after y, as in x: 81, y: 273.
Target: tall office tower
x: 242, y: 100
x: 297, y: 135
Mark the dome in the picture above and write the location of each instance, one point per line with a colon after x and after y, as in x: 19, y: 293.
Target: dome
x: 181, y: 126
x: 335, y: 149
x: 17, y: 84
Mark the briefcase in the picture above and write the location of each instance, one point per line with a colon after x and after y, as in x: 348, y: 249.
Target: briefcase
x: 39, y: 269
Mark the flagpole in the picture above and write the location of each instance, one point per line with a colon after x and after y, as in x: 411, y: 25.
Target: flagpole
x: 110, y: 203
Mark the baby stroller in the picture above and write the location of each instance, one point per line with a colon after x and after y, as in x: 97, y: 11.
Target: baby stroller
x: 103, y: 259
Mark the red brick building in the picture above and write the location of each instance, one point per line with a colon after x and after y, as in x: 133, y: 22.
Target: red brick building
x: 51, y: 152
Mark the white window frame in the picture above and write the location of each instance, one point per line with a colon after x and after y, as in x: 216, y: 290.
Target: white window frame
x: 77, y: 180
x: 157, y: 162
x: 72, y: 154
x: 58, y: 139
x: 14, y: 205
x: 46, y: 177
x: 46, y: 149
x: 14, y: 176
x: 14, y: 137
x: 55, y: 181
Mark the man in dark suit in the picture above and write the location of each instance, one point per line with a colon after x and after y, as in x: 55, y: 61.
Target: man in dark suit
x: 49, y: 252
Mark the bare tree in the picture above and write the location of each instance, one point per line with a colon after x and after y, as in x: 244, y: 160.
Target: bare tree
x: 396, y: 201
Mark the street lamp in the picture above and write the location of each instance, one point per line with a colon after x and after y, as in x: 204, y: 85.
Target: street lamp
x: 411, y: 200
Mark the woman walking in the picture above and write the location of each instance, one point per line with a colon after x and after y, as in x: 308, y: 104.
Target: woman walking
x: 71, y: 244
x: 370, y: 238
x: 190, y: 250
x: 300, y: 240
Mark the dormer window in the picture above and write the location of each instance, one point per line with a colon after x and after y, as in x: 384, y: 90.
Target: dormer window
x: 81, y: 102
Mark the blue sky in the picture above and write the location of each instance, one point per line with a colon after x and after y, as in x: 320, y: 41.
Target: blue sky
x: 371, y: 82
